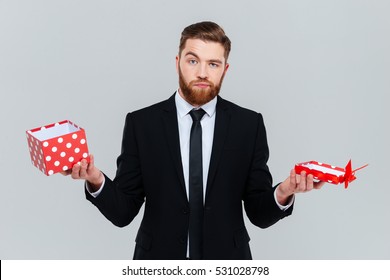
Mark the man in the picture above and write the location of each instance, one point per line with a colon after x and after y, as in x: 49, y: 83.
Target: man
x: 193, y: 174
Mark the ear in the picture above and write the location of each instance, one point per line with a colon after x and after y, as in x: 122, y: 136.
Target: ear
x: 177, y: 64
x: 226, y: 68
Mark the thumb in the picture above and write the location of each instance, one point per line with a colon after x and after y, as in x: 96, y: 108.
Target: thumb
x: 92, y: 171
x: 91, y: 164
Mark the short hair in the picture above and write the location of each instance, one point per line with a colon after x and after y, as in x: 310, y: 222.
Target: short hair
x: 205, y: 31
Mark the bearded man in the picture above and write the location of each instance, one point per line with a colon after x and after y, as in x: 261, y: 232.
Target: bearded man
x: 195, y: 160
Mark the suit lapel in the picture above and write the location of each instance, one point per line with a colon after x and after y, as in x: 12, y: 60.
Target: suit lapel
x: 222, y: 121
x: 172, y: 137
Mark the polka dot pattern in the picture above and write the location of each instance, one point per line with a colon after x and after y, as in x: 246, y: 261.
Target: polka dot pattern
x: 59, y: 153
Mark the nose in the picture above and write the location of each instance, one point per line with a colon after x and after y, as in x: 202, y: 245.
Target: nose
x: 202, y: 71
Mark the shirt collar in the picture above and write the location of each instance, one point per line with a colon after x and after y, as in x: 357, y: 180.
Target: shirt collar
x: 183, y: 107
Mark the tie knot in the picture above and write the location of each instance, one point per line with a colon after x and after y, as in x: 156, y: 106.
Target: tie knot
x: 197, y: 115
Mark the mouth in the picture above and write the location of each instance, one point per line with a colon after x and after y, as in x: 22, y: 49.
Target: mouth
x: 202, y: 85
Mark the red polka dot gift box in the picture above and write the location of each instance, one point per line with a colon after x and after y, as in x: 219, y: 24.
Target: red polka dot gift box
x: 328, y: 173
x: 57, y: 147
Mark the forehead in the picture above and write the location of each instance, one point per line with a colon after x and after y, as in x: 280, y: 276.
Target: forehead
x: 203, y: 49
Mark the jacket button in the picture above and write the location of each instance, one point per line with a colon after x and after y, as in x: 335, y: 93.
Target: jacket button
x: 182, y: 240
x: 185, y: 211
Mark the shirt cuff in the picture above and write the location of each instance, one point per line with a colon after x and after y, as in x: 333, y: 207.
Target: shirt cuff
x: 95, y: 194
x: 284, y: 207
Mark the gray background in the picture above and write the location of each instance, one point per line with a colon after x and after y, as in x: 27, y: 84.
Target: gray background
x: 317, y: 70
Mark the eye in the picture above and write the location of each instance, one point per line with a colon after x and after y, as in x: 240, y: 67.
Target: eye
x: 213, y: 65
x: 192, y: 62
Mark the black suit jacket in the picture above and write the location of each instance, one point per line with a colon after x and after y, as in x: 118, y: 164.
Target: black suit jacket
x: 150, y: 171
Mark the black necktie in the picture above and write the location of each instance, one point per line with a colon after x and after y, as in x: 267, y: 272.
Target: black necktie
x: 196, y: 187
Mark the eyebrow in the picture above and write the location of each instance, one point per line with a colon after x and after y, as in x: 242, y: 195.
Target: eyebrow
x: 192, y: 53
x: 211, y: 60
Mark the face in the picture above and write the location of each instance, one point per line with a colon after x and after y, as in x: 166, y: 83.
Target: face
x: 201, y: 67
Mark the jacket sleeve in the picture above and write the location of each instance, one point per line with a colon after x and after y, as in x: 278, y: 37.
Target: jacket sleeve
x: 259, y: 200
x: 122, y: 198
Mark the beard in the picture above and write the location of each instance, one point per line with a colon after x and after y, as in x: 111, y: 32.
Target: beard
x: 198, y: 96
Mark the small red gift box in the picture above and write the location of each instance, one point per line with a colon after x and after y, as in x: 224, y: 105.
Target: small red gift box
x: 328, y: 173
x: 57, y: 147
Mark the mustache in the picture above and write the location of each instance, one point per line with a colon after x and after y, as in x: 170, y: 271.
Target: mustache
x: 203, y: 81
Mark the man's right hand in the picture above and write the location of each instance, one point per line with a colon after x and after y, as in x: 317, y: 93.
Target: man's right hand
x: 87, y: 171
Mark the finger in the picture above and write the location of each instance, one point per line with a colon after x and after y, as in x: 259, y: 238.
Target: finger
x: 83, y: 169
x: 309, y: 182
x: 301, y: 186
x: 76, y: 171
x: 319, y: 185
x: 293, y: 180
x: 91, y: 164
x: 66, y: 173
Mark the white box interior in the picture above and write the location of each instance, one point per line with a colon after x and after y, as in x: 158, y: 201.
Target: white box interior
x: 55, y: 131
x: 324, y: 169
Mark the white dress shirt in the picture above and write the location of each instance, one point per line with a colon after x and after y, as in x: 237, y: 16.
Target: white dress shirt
x: 185, y: 122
